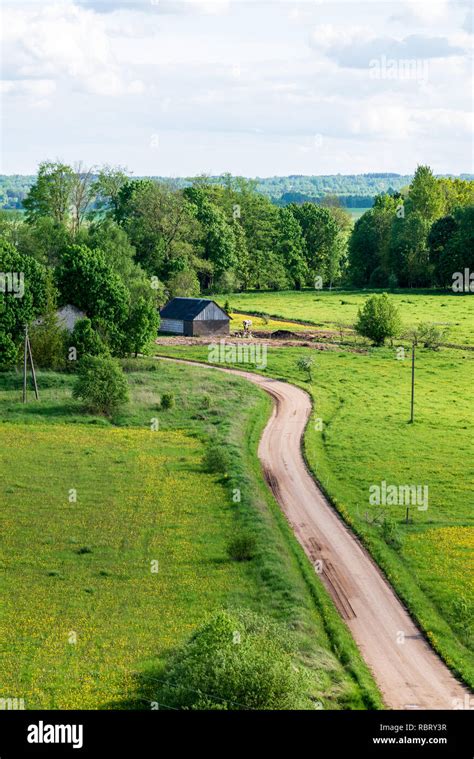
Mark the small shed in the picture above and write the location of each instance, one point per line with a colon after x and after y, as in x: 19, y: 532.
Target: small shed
x: 194, y: 317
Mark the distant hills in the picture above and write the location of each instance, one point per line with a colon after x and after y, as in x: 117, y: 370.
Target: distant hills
x: 352, y: 190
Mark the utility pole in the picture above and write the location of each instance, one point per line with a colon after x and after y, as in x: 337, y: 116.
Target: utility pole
x: 412, y: 415
x: 25, y: 358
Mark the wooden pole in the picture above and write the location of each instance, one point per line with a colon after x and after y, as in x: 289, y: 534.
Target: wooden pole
x: 412, y: 415
x: 25, y: 354
x: 32, y: 368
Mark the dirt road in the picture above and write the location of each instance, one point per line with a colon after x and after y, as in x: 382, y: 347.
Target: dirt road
x: 408, y: 672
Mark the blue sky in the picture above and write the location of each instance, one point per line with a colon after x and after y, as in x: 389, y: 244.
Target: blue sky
x: 180, y: 87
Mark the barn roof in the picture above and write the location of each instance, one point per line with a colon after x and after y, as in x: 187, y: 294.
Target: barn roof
x: 186, y: 309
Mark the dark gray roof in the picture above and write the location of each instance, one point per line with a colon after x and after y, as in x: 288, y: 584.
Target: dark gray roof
x: 186, y: 309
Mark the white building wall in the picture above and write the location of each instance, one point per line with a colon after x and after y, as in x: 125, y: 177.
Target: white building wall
x: 172, y: 325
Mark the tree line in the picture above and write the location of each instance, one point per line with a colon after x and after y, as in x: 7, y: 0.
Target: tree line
x: 118, y: 248
x: 418, y: 238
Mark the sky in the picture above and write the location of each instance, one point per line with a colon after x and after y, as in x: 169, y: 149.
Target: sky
x: 186, y: 87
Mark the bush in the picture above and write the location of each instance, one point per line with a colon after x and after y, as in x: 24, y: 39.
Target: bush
x: 86, y: 340
x: 306, y: 364
x: 8, y: 352
x: 216, y: 459
x: 378, y: 319
x: 167, y: 401
x: 48, y: 343
x: 390, y: 534
x: 101, y: 384
x: 235, y: 661
x: 242, y: 547
x: 430, y: 335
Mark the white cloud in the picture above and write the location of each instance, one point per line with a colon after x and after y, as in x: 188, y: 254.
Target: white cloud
x: 241, y: 88
x: 64, y: 42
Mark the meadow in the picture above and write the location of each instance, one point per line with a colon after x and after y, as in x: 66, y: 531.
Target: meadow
x: 114, y: 542
x: 360, y: 436
x: 329, y: 309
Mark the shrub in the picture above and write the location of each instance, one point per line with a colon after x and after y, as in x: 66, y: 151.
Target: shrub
x: 167, y: 401
x: 48, y: 337
x: 8, y: 351
x: 390, y: 534
x: 235, y: 661
x: 101, y: 384
x: 306, y: 364
x: 86, y: 340
x: 242, y: 547
x: 378, y: 319
x: 48, y: 341
x: 430, y: 335
x: 216, y: 459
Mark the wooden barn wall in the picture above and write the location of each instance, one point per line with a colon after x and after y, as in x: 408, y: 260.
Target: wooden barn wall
x: 172, y: 325
x: 211, y: 312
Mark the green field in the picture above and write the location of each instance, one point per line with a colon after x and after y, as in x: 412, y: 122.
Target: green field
x: 363, y: 400
x: 327, y: 309
x: 86, y: 623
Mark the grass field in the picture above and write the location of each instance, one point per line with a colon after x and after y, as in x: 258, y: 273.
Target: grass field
x: 363, y: 401
x: 327, y: 309
x: 88, y: 622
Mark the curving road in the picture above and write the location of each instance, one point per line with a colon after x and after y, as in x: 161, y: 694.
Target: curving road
x: 408, y: 672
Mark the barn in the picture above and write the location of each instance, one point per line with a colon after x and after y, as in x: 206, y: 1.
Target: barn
x: 194, y: 317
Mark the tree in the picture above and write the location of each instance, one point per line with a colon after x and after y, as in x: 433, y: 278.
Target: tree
x: 291, y: 248
x: 320, y: 232
x: 306, y: 364
x: 184, y: 284
x: 378, y: 319
x: 218, y: 238
x: 369, y: 243
x: 161, y: 224
x: 409, y: 250
x: 101, y: 384
x: 83, y: 193
x: 86, y: 340
x: 51, y: 193
x: 23, y: 296
x: 141, y: 325
x: 458, y: 251
x: 439, y: 235
x: 86, y: 280
x: 47, y: 336
x: 426, y: 195
x: 108, y: 185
